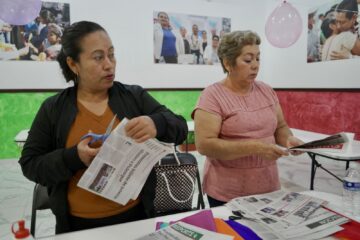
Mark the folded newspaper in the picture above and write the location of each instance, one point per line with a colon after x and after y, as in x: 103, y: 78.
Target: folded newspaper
x: 334, y: 143
x: 287, y: 215
x: 120, y: 169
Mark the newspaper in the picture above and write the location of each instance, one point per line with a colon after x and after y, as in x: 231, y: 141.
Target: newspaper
x: 287, y: 215
x: 334, y: 143
x: 120, y: 169
x: 183, y: 231
x: 324, y: 220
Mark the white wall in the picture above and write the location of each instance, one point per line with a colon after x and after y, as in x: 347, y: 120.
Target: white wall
x: 129, y: 24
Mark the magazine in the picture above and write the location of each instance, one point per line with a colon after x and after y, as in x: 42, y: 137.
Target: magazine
x: 334, y: 143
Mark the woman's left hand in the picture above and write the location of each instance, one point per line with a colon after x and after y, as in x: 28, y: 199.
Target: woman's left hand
x: 293, y: 142
x: 339, y: 55
x: 141, y: 129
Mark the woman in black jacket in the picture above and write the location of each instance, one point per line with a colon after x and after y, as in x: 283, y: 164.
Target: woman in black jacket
x: 54, y: 154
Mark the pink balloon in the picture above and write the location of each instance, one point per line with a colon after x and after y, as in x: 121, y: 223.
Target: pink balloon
x: 284, y: 25
x: 19, y: 12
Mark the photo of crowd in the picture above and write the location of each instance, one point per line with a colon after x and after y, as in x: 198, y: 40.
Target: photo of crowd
x: 187, y: 39
x: 38, y: 40
x: 102, y: 178
x: 333, y: 31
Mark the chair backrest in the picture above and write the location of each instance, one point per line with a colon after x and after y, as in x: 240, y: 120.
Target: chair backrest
x: 40, y: 202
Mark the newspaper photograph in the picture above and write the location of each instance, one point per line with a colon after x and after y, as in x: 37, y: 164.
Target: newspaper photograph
x: 299, y: 216
x: 334, y: 143
x: 120, y: 169
x: 181, y: 230
x: 254, y: 202
x: 292, y: 207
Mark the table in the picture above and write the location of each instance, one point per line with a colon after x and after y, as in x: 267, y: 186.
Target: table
x: 131, y: 230
x: 137, y: 229
x: 21, y: 137
x: 352, y: 153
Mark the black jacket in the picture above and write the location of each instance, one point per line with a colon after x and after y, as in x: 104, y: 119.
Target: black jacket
x: 45, y: 159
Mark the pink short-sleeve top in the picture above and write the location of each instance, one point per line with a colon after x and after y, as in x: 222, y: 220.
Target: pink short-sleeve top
x: 252, y: 116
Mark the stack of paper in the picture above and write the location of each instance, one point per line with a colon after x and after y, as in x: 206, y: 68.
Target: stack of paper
x: 181, y: 230
x: 204, y: 222
x: 120, y: 169
x: 200, y: 225
x: 287, y: 215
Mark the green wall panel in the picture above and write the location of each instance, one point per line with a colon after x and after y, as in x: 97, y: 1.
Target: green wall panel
x: 180, y: 102
x: 17, y: 111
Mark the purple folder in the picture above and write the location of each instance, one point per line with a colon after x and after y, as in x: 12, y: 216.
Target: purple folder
x: 203, y: 219
x: 245, y: 232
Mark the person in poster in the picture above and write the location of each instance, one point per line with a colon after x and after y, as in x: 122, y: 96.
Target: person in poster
x: 210, y: 54
x: 338, y: 35
x: 167, y: 42
x: 346, y: 43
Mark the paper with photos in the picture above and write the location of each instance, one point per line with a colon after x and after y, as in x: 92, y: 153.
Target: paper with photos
x: 120, y: 169
x: 287, y: 215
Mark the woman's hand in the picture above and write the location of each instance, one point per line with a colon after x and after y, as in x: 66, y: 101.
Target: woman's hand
x: 86, y: 153
x: 271, y: 151
x: 293, y: 142
x: 334, y: 55
x: 141, y: 129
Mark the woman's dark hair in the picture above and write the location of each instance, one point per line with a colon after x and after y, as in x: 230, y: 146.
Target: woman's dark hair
x: 70, y: 41
x: 325, y: 27
x: 349, y: 7
x: 47, y: 16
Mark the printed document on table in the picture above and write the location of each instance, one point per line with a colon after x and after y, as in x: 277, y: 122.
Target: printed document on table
x: 289, y: 208
x: 181, y: 230
x: 120, y: 169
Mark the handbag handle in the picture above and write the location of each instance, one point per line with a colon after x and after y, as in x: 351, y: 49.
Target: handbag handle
x: 176, y: 158
x: 170, y: 193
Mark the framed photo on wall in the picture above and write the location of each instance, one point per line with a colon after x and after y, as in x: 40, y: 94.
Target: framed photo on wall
x: 333, y: 31
x: 187, y: 39
x: 38, y: 40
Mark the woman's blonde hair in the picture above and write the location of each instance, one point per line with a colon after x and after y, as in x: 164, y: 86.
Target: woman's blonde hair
x: 231, y: 45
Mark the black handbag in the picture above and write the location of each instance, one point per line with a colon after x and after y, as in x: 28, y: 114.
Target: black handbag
x: 171, y: 185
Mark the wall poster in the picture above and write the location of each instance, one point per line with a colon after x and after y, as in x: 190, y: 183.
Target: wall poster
x: 38, y: 40
x: 187, y: 39
x: 333, y: 31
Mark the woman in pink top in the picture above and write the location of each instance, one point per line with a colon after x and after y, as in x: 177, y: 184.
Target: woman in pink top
x: 238, y: 122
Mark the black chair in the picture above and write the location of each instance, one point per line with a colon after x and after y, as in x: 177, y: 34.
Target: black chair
x: 40, y: 202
